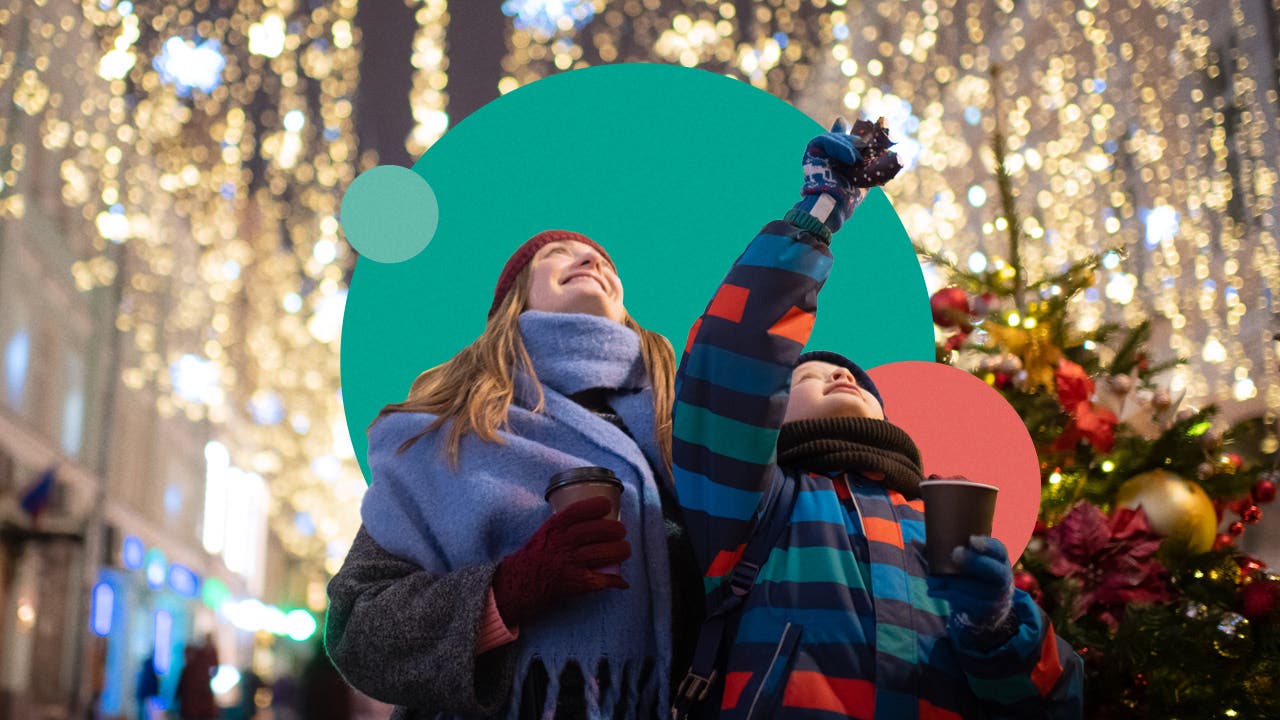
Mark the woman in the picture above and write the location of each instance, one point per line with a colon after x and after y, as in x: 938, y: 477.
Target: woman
x: 462, y: 594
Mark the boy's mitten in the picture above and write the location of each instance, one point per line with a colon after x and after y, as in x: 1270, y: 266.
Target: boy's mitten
x: 557, y: 561
x: 839, y: 164
x: 981, y: 596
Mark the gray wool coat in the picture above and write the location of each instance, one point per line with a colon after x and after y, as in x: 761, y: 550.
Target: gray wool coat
x: 426, y: 626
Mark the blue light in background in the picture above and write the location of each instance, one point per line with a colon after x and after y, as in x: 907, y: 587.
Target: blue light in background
x: 172, y: 499
x: 183, y: 581
x: 304, y: 524
x: 134, y: 552
x: 549, y: 16
x: 103, y: 606
x: 190, y: 66
x: 164, y: 641
x: 16, y: 356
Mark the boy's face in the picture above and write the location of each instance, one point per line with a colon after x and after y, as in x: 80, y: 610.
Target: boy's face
x: 822, y: 390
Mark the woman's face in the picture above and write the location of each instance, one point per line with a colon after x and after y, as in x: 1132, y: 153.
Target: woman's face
x: 572, y: 277
x: 821, y: 390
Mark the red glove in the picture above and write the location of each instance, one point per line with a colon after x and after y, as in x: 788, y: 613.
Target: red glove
x: 557, y: 561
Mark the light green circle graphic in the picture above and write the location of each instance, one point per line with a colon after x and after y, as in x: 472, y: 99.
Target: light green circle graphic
x: 389, y: 214
x: 673, y: 170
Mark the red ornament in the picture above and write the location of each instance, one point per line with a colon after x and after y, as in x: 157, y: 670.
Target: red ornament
x: 1235, y: 529
x: 985, y: 304
x: 1263, y: 492
x: 1251, y: 514
x: 1140, y: 680
x: 1249, y: 565
x: 1027, y: 583
x: 950, y: 307
x: 1234, y: 460
x: 1238, y: 505
x: 1259, y: 599
x: 1223, y: 540
x: 957, y: 339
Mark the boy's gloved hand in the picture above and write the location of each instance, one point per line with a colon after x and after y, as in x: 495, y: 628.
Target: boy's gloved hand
x: 559, y: 559
x: 981, y: 596
x: 839, y: 164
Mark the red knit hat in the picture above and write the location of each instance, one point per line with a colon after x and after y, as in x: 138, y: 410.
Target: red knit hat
x: 525, y: 253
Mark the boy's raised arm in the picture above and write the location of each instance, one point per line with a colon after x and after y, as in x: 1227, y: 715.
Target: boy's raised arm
x: 735, y: 371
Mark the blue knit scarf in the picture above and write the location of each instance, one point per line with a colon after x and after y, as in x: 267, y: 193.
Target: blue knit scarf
x: 444, y: 519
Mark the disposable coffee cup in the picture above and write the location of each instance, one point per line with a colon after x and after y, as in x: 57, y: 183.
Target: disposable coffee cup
x: 954, y: 509
x: 570, y: 486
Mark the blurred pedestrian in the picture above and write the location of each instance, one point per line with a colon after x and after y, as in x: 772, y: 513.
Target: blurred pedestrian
x: 284, y: 698
x: 148, y: 686
x: 325, y: 695
x: 195, y: 694
x: 250, y: 683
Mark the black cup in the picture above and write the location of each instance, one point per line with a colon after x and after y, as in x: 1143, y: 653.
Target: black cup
x: 954, y: 509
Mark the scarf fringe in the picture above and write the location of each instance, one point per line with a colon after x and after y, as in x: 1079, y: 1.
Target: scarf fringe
x: 634, y: 684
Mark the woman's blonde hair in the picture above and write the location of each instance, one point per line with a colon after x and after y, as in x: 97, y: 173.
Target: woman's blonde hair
x: 473, y: 390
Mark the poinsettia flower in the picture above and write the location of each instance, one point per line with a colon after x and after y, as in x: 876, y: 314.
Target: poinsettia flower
x: 1073, y: 383
x: 1111, y: 559
x: 1088, y: 421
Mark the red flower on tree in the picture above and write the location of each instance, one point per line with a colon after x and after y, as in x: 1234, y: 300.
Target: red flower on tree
x: 1088, y: 421
x: 1110, y: 559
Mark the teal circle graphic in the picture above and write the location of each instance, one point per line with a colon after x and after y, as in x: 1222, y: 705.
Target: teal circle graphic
x: 389, y: 214
x: 672, y: 170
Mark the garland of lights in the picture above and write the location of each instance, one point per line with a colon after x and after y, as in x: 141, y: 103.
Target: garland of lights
x: 208, y: 148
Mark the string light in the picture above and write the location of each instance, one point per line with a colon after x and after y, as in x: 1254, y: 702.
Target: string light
x: 194, y: 151
x: 428, y: 98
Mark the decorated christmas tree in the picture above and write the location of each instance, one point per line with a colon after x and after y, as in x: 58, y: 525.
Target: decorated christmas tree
x: 1171, y: 619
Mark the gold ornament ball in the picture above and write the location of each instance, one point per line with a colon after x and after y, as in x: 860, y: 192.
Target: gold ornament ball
x: 1177, y: 508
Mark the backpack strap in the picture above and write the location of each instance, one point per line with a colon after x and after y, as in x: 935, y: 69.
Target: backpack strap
x: 729, y: 597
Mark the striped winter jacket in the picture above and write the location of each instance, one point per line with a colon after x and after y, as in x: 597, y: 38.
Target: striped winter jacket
x: 839, y: 623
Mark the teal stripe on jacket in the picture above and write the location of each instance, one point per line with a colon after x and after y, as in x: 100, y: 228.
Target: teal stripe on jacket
x: 730, y: 370
x: 781, y: 252
x: 724, y: 436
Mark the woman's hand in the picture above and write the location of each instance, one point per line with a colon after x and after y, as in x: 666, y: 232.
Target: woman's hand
x: 559, y: 561
x: 840, y: 164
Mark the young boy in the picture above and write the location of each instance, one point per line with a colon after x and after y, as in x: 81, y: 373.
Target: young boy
x: 842, y: 620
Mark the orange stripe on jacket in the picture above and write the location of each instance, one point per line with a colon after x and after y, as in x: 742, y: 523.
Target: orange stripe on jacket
x: 881, y: 530
x: 795, y: 325
x: 896, y: 498
x: 1046, y: 672
x: 815, y: 691
x: 729, y: 302
x: 733, y: 684
x: 724, y: 562
x: 693, y: 333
